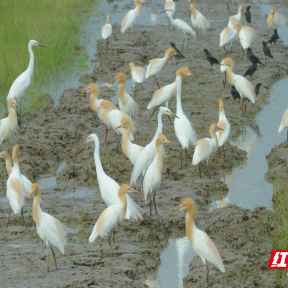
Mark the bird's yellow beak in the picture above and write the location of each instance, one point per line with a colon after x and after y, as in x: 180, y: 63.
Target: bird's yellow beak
x: 135, y: 191
x: 220, y: 128
x: 15, y: 103
x: 191, y: 74
x: 178, y: 207
x: 173, y: 114
x: 86, y: 141
x: 32, y: 191
x: 178, y: 54
x: 169, y: 142
x: 119, y: 126
x: 84, y: 91
x: 115, y: 79
x: 97, y: 108
x: 222, y: 64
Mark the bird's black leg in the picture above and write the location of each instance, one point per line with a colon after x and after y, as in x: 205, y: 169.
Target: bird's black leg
x: 287, y: 135
x: 225, y: 49
x: 54, y: 257
x: 182, y: 45
x: 150, y: 205
x: 181, y: 157
x: 100, y: 246
x: 245, y: 108
x: 47, y: 259
x: 22, y: 214
x: 114, y: 233
x: 186, y: 156
x: 155, y: 205
x: 10, y: 214
x: 200, y: 170
x: 154, y: 112
x: 157, y: 82
x: 207, y: 273
x: 208, y: 170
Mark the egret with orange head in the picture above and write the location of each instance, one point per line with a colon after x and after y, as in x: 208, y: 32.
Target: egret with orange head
x: 107, y: 30
x: 274, y: 19
x: 137, y: 73
x: 238, y: 17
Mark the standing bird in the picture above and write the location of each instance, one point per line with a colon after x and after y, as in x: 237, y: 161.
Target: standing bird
x: 284, y: 122
x: 242, y: 85
x: 164, y: 94
x: 223, y: 70
x: 15, y: 186
x: 9, y: 125
x: 23, y: 81
x: 199, y: 21
x: 205, y: 147
x: 182, y: 126
x: 274, y: 19
x: 251, y: 70
x: 184, y: 28
x: 107, y: 30
x: 130, y: 150
x: 248, y: 15
x: 224, y: 133
x: 266, y: 50
x: 156, y: 65
x: 234, y: 93
x: 137, y: 73
x: 129, y: 19
x: 170, y: 9
x: 201, y: 242
x: 238, y: 17
x: 177, y: 57
x: 111, y: 118
x: 109, y: 187
x: 210, y: 58
x: 49, y: 229
x: 126, y: 103
x: 246, y: 36
x: 253, y: 58
x: 228, y: 35
x: 274, y: 37
x: 110, y: 217
x: 152, y: 178
x: 147, y: 155
x: 93, y: 90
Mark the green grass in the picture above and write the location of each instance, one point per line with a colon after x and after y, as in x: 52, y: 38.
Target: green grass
x: 52, y: 23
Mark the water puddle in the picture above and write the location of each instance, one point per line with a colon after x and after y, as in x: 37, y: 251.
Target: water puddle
x: 80, y: 192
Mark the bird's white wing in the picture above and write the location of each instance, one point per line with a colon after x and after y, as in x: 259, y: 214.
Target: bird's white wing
x: 184, y: 27
x: 284, y: 121
x: 227, y: 36
x: 204, y: 247
x: 27, y: 185
x: 109, y: 190
x: 20, y: 85
x: 133, y: 210
x: 15, y: 192
x: 52, y: 230
x: 3, y: 124
x: 244, y: 87
x: 162, y: 95
x: 204, y: 149
x: 246, y: 35
x: 138, y: 74
x: 106, y: 31
x: 154, y: 67
x: 134, y: 152
x: 148, y: 181
x: 133, y: 106
x: 202, y: 21
x: 278, y: 18
x: 128, y: 20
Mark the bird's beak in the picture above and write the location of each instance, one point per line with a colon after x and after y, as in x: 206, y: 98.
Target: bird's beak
x: 1, y: 155
x: 84, y: 91
x: 179, y: 207
x: 15, y: 103
x: 162, y: 11
x: 115, y: 79
x: 97, y: 108
x: 219, y: 128
x: 221, y: 64
x: 86, y: 141
x: 135, y: 191
x: 179, y: 54
x: 32, y: 191
x: 169, y: 142
x: 119, y: 126
x: 173, y: 114
x: 191, y: 74
x: 40, y: 45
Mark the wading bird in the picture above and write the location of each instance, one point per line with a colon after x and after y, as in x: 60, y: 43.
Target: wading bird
x: 266, y: 50
x: 182, y: 125
x: 199, y: 21
x: 274, y: 37
x: 274, y: 19
x: 228, y: 35
x: 110, y: 217
x: 238, y: 17
x: 130, y: 150
x: 242, y: 85
x: 93, y: 90
x: 246, y: 36
x: 164, y: 94
x: 156, y: 65
x: 205, y: 147
x: 23, y: 81
x: 129, y: 19
x: 170, y: 9
x: 107, y: 30
x: 126, y: 103
x: 109, y: 187
x: 15, y: 186
x: 137, y: 74
x: 248, y: 15
x: 111, y: 117
x: 284, y: 123
x: 210, y: 58
x: 201, y: 242
x: 224, y: 133
x: 49, y: 229
x: 251, y: 70
x: 9, y: 125
x: 253, y: 58
x: 152, y: 178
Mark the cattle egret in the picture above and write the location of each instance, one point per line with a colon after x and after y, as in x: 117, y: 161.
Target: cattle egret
x: 107, y: 30
x: 284, y: 122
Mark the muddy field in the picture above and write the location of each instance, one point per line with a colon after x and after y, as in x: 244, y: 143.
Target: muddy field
x: 56, y: 134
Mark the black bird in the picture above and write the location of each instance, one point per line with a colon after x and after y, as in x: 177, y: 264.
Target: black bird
x: 251, y: 70
x: 257, y: 89
x: 235, y: 93
x: 266, y: 50
x: 248, y: 15
x: 253, y: 58
x: 178, y: 57
x: 274, y: 37
x: 210, y: 58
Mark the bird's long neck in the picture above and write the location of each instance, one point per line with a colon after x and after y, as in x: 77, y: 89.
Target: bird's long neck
x: 121, y: 90
x: 98, y: 164
x: 160, y: 126
x: 15, y: 158
x: 8, y: 165
x: 36, y: 207
x: 126, y: 141
x: 190, y: 225
x: 138, y: 9
x: 221, y: 111
x: 167, y: 55
x: 214, y: 138
x: 123, y: 200
x: 230, y: 75
x: 93, y: 98
x: 31, y: 63
x: 12, y: 117
x: 193, y: 9
x: 179, y: 104
x: 159, y: 156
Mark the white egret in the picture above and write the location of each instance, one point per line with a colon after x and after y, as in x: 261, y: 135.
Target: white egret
x: 170, y: 8
x: 107, y: 30
x: 246, y: 36
x: 184, y: 131
x: 205, y: 147
x: 111, y: 216
x: 228, y: 35
x: 284, y: 123
x: 49, y: 229
x: 153, y: 176
x: 238, y: 17
x: 201, y: 242
x: 274, y: 19
x: 126, y: 103
x: 23, y: 81
x: 9, y: 125
x: 137, y: 73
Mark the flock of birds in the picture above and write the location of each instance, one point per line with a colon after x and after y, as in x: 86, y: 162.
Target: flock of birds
x: 148, y: 160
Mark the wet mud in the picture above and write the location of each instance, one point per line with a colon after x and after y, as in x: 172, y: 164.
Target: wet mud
x: 56, y: 134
